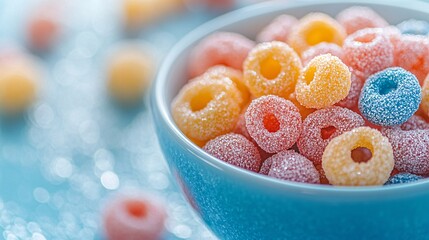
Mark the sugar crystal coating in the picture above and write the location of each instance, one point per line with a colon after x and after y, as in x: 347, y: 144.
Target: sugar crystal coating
x: 411, y: 52
x: 278, y: 30
x: 390, y: 97
x: 352, y: 99
x: 323, y: 125
x: 369, y: 78
x: 425, y: 97
x: 292, y: 166
x: 235, y: 149
x: 403, y: 178
x: 220, y: 71
x: 368, y: 51
x: 415, y: 122
x: 240, y: 128
x: 273, y: 122
x: 207, y: 108
x: 271, y: 68
x: 410, y: 149
x: 341, y: 169
x: 322, y: 48
x: 414, y: 27
x: 221, y: 48
x: 134, y: 216
x: 323, y: 82
x: 357, y: 17
x: 392, y: 33
x: 315, y: 28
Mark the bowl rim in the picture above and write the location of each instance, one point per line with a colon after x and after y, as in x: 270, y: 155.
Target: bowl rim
x: 160, y: 105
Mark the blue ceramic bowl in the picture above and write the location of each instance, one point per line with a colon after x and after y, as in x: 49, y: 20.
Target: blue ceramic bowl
x: 237, y: 204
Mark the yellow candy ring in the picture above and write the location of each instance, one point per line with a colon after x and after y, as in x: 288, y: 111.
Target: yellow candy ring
x: 342, y: 170
x: 325, y: 81
x: 207, y: 108
x: 314, y: 29
x: 271, y: 68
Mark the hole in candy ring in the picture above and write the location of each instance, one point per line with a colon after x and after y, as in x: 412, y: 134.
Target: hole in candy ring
x: 365, y: 38
x: 270, y: 68
x: 271, y: 123
x: 361, y: 154
x: 387, y: 86
x: 309, y: 75
x: 200, y: 101
x: 327, y: 132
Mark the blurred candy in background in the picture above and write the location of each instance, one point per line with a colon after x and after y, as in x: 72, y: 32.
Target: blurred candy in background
x: 19, y: 80
x: 139, y: 13
x: 44, y: 26
x: 76, y: 134
x: 130, y: 70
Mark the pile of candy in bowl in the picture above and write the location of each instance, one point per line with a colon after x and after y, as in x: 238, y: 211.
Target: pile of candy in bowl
x: 322, y: 100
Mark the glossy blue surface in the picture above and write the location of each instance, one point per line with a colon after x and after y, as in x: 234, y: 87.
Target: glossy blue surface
x: 237, y: 204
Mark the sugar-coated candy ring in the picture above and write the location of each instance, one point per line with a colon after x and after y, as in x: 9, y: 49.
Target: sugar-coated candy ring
x: 240, y: 128
x: 325, y: 81
x: 313, y: 29
x: 292, y: 166
x: 273, y: 122
x: 352, y: 99
x: 368, y: 51
x: 411, y: 52
x: 403, y: 178
x: 410, y: 149
x: 278, y: 30
x: 235, y: 149
x: 415, y: 122
x: 341, y: 169
x: 425, y: 97
x: 221, y: 48
x: 134, y: 216
x: 322, y: 48
x: 207, y: 108
x: 357, y: 17
x: 271, y: 68
x: 321, y: 126
x: 390, y: 97
x: 220, y: 71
